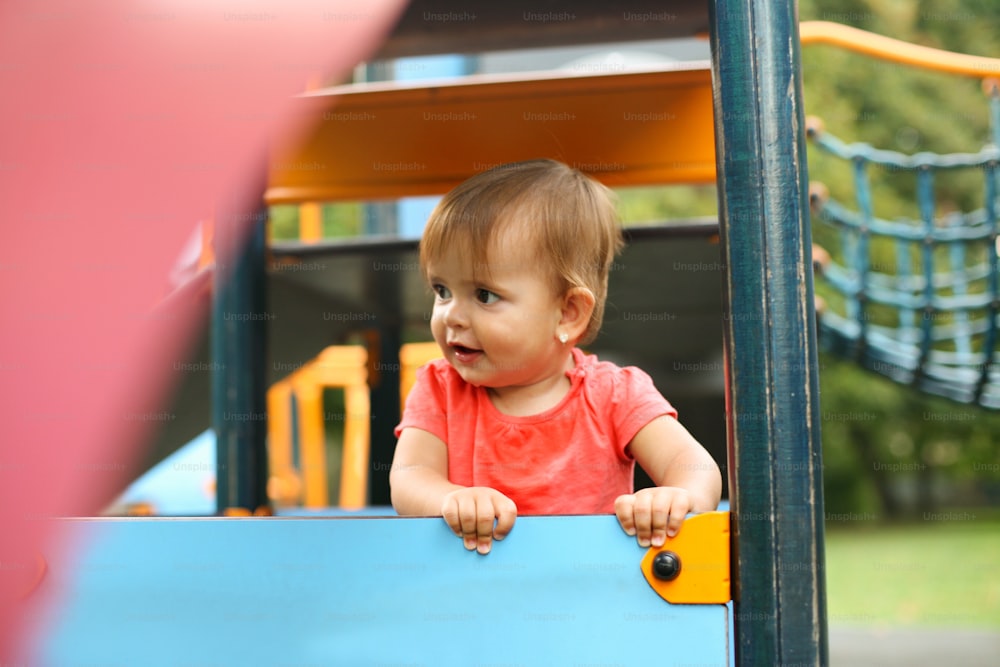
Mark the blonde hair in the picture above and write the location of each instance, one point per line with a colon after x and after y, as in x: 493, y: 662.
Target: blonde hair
x: 565, y: 218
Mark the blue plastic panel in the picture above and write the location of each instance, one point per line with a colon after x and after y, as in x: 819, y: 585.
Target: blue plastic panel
x: 362, y: 591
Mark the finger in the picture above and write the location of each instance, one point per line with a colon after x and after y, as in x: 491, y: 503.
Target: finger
x: 449, y: 511
x: 660, y: 514
x: 485, y: 516
x: 678, y: 510
x: 623, y: 510
x: 506, y: 513
x: 642, y: 512
x: 467, y: 515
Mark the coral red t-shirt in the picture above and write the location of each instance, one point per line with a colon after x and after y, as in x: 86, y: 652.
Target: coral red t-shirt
x: 570, y: 459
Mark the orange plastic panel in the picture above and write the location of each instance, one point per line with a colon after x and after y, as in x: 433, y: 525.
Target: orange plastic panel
x: 357, y: 437
x: 336, y: 366
x: 387, y: 140
x: 310, y: 222
x: 284, y: 486
x: 411, y: 357
x: 309, y: 393
x: 702, y: 545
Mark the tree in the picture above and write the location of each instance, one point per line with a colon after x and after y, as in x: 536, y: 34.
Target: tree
x: 888, y: 447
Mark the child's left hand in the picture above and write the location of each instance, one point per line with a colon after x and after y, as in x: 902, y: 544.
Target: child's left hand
x: 653, y: 514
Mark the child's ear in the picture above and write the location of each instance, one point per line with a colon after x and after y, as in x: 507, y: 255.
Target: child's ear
x: 578, y: 306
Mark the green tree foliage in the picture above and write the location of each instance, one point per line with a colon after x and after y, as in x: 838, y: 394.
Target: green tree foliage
x: 888, y: 449
x: 339, y: 220
x: 898, y: 453
x: 897, y: 107
x: 641, y: 205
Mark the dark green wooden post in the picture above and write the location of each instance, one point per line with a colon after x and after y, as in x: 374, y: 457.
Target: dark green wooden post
x: 770, y: 340
x: 239, y: 352
x: 385, y: 406
x: 383, y: 287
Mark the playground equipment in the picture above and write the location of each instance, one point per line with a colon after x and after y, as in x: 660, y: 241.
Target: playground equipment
x: 929, y: 317
x: 302, y: 467
x: 306, y: 591
x: 296, y: 438
x: 772, y: 413
x: 320, y: 291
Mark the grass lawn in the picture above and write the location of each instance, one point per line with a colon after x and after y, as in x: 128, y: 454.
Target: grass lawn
x: 943, y: 571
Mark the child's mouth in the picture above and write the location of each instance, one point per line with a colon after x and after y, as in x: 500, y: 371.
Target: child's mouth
x: 465, y: 354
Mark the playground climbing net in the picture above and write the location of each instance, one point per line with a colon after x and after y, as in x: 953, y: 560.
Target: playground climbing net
x: 929, y: 318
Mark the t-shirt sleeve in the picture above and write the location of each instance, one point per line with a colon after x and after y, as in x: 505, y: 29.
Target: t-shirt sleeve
x: 426, y: 404
x: 637, y: 402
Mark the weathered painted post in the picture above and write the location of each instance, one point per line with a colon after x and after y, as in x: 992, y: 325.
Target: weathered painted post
x: 239, y: 353
x: 770, y: 339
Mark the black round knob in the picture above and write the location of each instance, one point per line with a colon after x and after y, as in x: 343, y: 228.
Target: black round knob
x: 666, y: 566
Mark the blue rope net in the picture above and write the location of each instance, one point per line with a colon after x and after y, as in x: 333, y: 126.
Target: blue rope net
x: 930, y: 318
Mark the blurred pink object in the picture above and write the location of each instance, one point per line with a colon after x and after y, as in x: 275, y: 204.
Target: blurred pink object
x: 121, y: 126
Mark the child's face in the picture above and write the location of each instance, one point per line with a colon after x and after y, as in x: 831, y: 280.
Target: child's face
x: 497, y: 328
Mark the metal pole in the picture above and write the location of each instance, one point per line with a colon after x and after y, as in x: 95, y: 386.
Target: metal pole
x: 770, y: 339
x: 239, y: 383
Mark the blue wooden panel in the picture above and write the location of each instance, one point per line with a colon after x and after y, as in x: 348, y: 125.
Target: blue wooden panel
x: 363, y: 591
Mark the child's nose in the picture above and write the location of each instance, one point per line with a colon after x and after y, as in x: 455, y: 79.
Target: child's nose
x: 454, y: 315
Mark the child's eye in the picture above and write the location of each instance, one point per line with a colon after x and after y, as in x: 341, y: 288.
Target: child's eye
x: 486, y: 296
x: 441, y: 291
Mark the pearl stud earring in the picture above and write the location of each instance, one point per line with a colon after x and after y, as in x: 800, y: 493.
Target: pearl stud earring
x: 563, y: 337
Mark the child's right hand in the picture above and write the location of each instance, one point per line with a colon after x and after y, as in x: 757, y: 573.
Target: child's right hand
x: 470, y: 512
